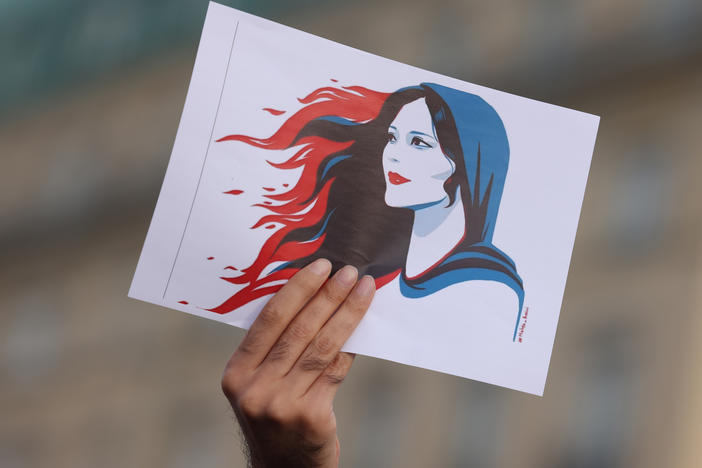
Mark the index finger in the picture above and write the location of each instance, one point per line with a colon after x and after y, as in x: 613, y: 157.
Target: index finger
x: 279, y: 312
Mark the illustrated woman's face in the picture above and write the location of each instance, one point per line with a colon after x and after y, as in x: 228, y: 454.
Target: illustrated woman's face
x: 414, y: 165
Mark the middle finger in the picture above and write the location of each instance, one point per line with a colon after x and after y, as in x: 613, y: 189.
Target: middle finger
x: 325, y: 346
x: 300, y: 332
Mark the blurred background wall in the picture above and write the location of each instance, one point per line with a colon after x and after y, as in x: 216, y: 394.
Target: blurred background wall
x: 90, y: 97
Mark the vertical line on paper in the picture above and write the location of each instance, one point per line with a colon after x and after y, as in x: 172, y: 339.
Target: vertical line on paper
x: 204, y: 161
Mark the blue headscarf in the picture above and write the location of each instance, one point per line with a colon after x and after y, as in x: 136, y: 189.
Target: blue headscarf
x: 485, y: 153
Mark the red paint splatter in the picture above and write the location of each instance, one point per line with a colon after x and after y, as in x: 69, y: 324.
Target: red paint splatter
x: 274, y: 111
x: 210, y: 258
x: 267, y: 203
x: 231, y: 268
x: 334, y: 80
x: 183, y: 302
x: 270, y: 226
x: 285, y: 185
x: 234, y: 192
x: 268, y: 189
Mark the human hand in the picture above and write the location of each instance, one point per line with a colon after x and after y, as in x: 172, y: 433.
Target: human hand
x: 282, y: 378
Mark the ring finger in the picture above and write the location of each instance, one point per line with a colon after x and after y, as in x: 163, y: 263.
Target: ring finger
x: 305, y: 326
x: 326, y: 344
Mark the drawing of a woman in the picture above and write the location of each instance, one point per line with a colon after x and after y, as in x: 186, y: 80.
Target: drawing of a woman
x: 404, y: 184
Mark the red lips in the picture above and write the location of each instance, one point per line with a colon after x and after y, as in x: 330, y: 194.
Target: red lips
x: 397, y: 179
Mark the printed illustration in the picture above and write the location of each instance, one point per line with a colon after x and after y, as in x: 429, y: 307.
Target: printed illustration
x: 461, y: 201
x: 405, y: 183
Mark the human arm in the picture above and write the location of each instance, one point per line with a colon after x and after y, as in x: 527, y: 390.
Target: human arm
x: 282, y: 378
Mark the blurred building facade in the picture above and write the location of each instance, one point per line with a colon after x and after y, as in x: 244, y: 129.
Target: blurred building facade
x: 90, y: 106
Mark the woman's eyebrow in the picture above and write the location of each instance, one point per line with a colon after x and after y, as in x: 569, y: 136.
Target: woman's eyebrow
x: 392, y: 127
x: 415, y: 132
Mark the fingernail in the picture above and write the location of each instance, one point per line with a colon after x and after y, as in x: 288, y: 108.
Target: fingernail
x: 321, y: 267
x: 366, y: 287
x: 347, y: 275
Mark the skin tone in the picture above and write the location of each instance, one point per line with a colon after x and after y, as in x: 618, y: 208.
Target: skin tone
x: 436, y: 230
x: 414, y: 165
x: 415, y: 170
x: 282, y: 379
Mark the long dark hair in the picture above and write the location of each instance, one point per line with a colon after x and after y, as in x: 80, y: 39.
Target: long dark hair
x: 337, y: 208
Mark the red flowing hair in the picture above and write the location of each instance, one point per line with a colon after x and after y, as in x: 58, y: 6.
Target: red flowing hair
x: 300, y: 206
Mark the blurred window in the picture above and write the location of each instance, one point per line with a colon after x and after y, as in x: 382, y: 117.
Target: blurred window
x: 381, y: 422
x: 192, y: 435
x: 48, y: 45
x: 641, y: 201
x: 602, y: 423
x: 477, y: 426
x: 33, y: 341
x: 21, y: 450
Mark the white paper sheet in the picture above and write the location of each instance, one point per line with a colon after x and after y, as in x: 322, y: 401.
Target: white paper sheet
x: 454, y: 303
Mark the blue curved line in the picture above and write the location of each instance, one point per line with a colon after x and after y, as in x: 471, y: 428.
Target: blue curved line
x: 338, y: 120
x: 280, y: 267
x: 470, y: 255
x: 324, y: 226
x: 316, y: 236
x: 333, y: 161
x: 457, y: 276
x: 421, y: 206
x: 505, y: 261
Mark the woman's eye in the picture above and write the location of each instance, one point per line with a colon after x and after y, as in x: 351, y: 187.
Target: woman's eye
x: 416, y: 141
x: 392, y: 138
